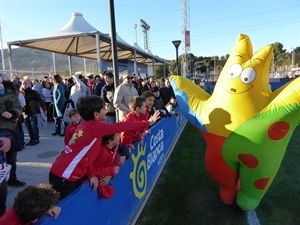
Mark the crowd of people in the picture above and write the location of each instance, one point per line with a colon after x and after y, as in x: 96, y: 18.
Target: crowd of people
x: 89, y: 113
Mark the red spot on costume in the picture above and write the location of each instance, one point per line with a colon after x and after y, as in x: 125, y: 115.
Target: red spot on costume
x: 248, y: 160
x: 278, y: 130
x: 261, y: 183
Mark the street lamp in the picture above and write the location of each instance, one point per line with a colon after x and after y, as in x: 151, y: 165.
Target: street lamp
x: 176, y: 44
x: 135, y: 26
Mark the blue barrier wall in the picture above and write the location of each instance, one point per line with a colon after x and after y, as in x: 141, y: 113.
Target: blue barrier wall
x: 132, y: 185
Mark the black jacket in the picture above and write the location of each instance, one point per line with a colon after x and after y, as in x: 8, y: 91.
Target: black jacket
x: 31, y: 95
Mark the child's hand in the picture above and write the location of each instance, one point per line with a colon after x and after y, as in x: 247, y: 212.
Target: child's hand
x: 54, y: 211
x: 122, y: 160
x: 94, y: 183
x: 105, y: 180
x: 141, y: 142
x: 116, y: 169
x: 154, y: 117
x: 131, y: 146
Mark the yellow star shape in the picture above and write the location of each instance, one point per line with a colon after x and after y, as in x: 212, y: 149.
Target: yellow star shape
x: 80, y: 133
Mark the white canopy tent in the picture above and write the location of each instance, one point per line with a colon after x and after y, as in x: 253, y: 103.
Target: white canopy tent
x: 78, y: 38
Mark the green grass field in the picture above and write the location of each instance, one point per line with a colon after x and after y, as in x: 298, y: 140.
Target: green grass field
x: 186, y: 195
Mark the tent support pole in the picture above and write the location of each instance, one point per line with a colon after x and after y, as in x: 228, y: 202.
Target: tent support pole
x: 10, y: 61
x: 98, y: 53
x: 70, y: 65
x: 135, y: 63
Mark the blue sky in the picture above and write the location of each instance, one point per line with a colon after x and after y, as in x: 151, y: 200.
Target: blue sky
x: 214, y: 24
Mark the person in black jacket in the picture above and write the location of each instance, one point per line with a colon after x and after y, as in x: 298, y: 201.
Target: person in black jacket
x: 107, y: 94
x: 158, y: 103
x: 166, y: 92
x: 33, y: 101
x: 10, y: 110
x: 100, y: 82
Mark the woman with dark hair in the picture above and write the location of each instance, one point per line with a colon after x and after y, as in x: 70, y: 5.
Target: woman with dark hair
x: 58, y: 100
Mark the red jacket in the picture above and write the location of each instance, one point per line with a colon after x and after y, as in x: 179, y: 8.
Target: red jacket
x: 106, y: 160
x: 76, y: 160
x: 11, y: 218
x: 129, y: 137
x: 69, y: 132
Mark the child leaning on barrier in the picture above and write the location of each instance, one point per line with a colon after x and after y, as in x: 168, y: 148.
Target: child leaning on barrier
x: 32, y: 203
x: 171, y: 106
x: 75, y: 121
x: 76, y: 161
x: 138, y: 111
x: 150, y: 98
x: 159, y: 104
x: 107, y: 163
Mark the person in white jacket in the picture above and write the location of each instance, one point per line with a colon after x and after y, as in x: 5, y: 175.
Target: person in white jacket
x: 79, y: 89
x: 123, y: 94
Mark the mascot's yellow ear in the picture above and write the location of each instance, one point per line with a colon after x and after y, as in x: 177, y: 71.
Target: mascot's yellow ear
x: 241, y: 52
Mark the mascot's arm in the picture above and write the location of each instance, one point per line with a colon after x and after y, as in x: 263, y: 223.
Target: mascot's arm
x: 286, y: 96
x: 190, y: 98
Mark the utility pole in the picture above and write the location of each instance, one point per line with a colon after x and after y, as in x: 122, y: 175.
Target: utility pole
x: 146, y: 28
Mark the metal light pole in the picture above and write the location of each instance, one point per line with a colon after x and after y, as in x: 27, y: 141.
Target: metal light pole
x: 135, y: 27
x: 176, y: 44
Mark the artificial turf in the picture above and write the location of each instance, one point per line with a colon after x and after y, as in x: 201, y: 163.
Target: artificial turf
x: 186, y: 195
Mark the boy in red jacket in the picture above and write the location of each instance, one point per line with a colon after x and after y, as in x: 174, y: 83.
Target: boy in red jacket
x: 75, y: 121
x: 138, y: 109
x: 107, y: 162
x: 76, y: 161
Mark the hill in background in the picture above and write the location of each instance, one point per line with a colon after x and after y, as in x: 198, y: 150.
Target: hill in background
x: 37, y: 60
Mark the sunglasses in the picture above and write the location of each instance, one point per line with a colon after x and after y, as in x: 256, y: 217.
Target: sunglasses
x: 129, y: 78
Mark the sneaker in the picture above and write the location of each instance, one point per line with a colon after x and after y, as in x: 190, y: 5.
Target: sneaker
x: 29, y: 143
x: 16, y: 183
x: 35, y: 142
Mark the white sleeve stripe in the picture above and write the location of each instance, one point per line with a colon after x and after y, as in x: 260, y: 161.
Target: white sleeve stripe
x: 69, y: 170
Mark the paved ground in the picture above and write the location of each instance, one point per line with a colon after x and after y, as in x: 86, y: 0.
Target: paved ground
x: 34, y: 161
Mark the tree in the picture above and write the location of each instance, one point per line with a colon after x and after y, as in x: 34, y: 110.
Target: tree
x: 172, y: 66
x: 281, y: 58
x: 159, y: 71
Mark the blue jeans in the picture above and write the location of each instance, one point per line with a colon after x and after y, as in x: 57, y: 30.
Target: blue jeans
x: 58, y: 125
x: 32, y: 127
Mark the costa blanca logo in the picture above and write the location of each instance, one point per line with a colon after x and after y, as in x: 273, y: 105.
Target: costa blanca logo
x: 139, y: 173
x: 154, y: 154
x: 156, y: 148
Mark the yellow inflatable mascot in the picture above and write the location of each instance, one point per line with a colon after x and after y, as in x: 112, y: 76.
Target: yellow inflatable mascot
x: 247, y: 127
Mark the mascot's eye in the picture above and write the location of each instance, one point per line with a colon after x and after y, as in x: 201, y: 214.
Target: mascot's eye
x: 248, y: 75
x: 234, y: 71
